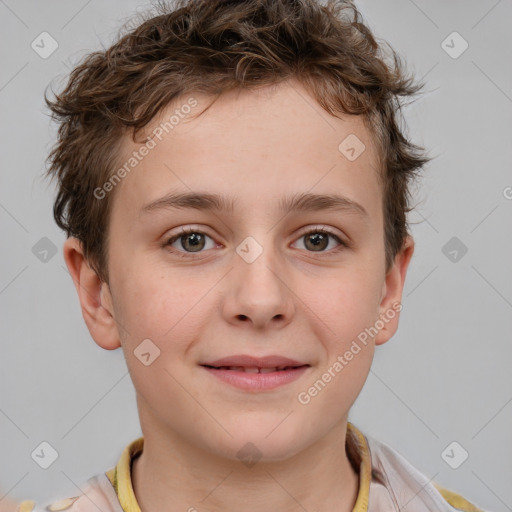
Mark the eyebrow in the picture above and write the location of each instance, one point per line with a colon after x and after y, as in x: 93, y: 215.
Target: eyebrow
x: 301, y: 202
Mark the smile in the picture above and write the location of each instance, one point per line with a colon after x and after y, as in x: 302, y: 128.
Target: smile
x: 252, y: 369
x: 254, y: 378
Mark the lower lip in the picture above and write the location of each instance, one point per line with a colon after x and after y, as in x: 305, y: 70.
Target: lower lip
x: 258, y: 381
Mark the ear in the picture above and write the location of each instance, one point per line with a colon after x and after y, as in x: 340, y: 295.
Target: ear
x: 390, y: 306
x: 94, y: 295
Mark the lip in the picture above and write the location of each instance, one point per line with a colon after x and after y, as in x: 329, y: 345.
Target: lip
x: 271, y: 361
x: 256, y: 381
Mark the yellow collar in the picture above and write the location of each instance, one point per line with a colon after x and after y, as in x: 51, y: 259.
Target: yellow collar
x: 357, y: 451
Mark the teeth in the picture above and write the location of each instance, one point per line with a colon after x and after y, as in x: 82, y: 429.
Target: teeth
x: 243, y: 369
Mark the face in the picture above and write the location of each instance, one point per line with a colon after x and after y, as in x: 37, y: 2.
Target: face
x: 255, y: 277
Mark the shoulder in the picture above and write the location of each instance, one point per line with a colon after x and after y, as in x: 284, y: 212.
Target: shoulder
x: 32, y: 506
x: 406, y: 482
x: 456, y: 500
x: 97, y: 494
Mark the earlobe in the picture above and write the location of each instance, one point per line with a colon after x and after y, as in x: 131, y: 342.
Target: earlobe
x: 94, y: 296
x: 391, y: 305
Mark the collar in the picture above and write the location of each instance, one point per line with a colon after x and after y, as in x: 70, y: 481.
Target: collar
x: 357, y: 452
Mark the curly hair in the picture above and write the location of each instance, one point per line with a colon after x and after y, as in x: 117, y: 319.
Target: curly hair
x: 214, y: 46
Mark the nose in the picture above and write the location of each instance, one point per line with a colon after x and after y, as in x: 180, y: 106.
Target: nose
x: 257, y: 292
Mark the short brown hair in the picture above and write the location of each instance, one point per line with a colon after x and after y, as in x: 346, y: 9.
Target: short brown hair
x: 213, y: 46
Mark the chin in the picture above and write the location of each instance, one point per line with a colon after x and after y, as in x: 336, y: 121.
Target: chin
x: 265, y: 441
x: 251, y: 453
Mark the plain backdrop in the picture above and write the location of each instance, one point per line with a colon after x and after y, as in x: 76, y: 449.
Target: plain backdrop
x: 445, y: 377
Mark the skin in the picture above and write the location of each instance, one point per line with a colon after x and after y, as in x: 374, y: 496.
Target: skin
x: 257, y: 146
x: 8, y: 505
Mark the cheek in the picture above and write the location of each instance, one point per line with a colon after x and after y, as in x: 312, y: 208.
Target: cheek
x: 331, y: 393
x: 348, y: 311
x: 163, y: 308
x: 349, y: 377
x: 350, y: 302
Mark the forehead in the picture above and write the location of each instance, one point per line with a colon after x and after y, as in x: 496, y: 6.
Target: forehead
x: 256, y: 147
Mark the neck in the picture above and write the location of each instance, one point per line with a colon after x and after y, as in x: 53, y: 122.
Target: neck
x: 172, y: 475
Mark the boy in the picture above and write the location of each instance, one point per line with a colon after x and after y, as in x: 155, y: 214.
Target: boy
x: 267, y: 130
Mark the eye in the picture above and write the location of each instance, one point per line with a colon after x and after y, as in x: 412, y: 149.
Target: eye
x: 317, y: 240
x: 189, y: 240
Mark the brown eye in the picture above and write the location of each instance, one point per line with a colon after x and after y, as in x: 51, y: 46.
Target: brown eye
x: 192, y: 242
x: 189, y: 241
x: 317, y: 240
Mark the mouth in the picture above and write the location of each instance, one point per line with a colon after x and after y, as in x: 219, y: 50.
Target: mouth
x: 256, y: 374
x: 254, y: 369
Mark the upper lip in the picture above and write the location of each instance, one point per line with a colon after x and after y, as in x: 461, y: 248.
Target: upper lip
x: 272, y: 361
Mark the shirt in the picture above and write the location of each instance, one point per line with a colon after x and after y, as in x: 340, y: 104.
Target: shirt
x: 387, y: 483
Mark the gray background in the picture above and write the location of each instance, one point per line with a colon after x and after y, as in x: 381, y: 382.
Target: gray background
x: 444, y: 377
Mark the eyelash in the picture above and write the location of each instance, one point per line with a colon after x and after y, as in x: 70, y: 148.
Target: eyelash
x: 187, y: 231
